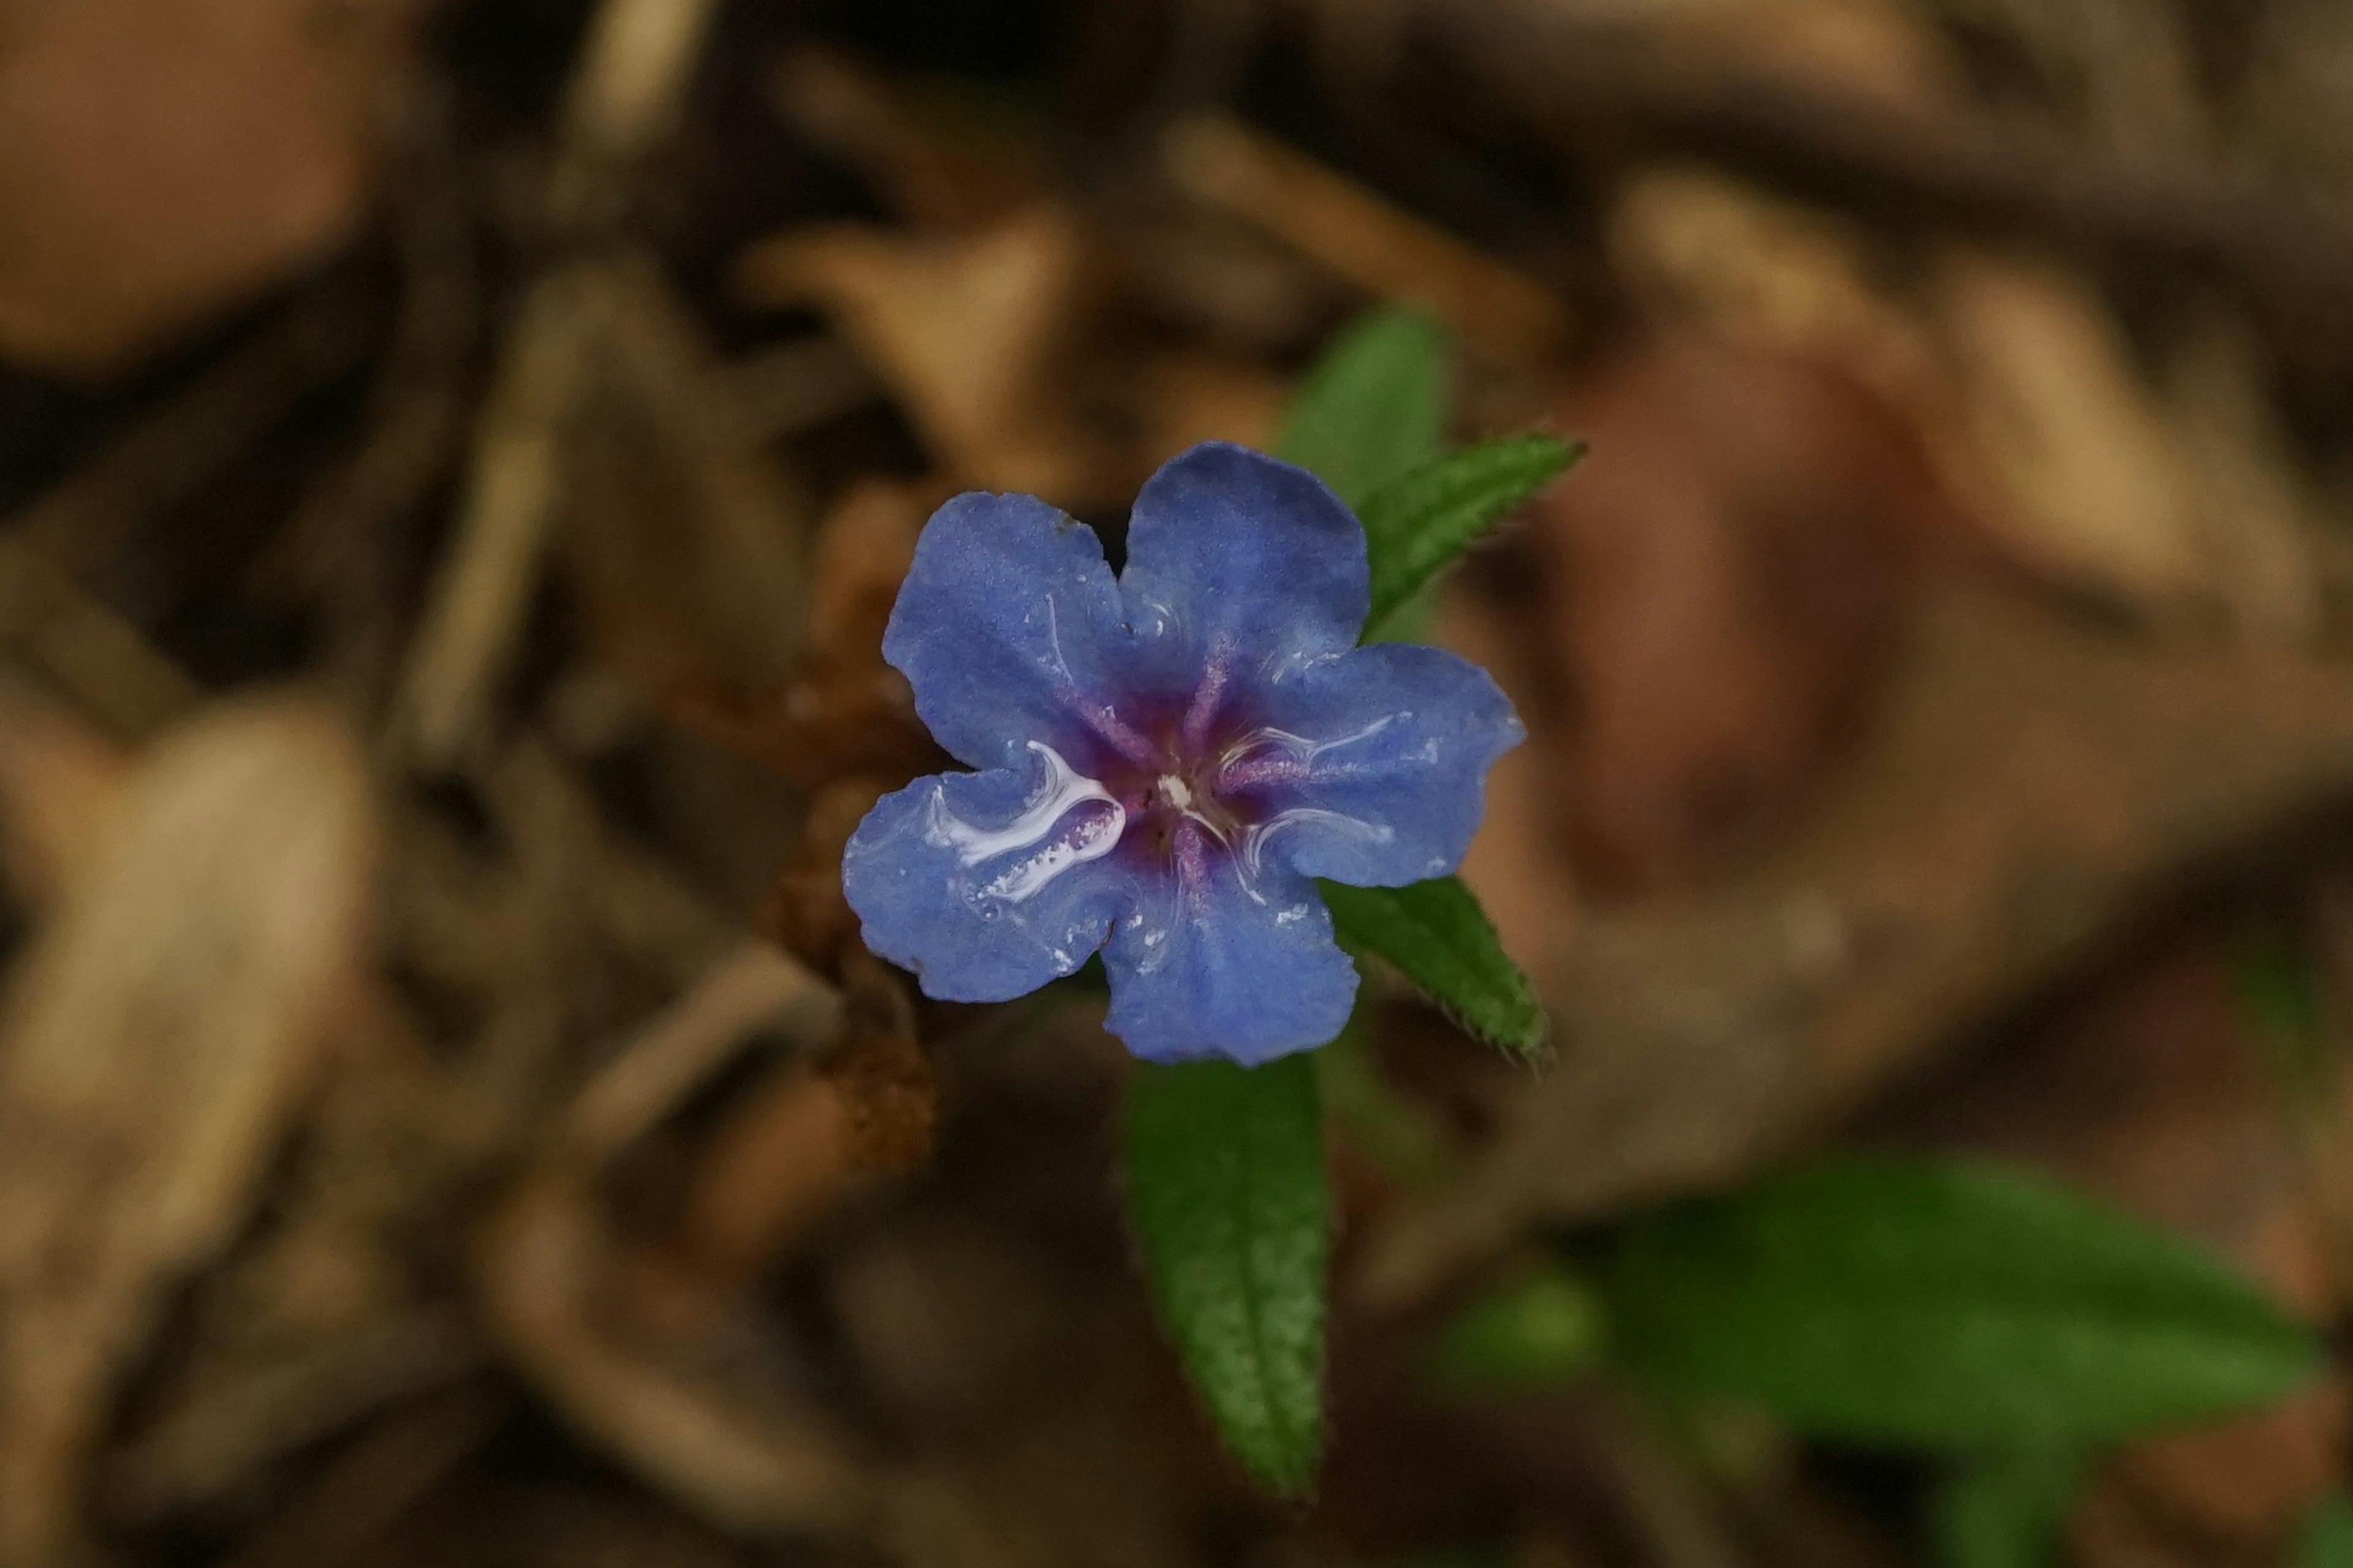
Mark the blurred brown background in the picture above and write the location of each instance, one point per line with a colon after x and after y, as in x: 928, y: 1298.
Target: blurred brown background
x: 455, y: 462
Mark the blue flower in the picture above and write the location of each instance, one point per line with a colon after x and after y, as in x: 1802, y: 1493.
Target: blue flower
x: 1165, y: 759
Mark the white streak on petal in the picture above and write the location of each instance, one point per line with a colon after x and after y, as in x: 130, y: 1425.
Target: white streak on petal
x: 1036, y: 830
x: 1254, y: 841
x: 1091, y: 840
x: 1307, y: 751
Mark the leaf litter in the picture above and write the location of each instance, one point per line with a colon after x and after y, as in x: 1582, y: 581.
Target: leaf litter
x: 447, y: 1114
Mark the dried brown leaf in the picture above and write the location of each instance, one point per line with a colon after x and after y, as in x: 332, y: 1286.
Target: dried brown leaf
x: 162, y: 159
x: 157, y: 1039
x: 2059, y: 449
x: 970, y: 332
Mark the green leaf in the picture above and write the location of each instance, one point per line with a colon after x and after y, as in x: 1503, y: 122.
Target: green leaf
x: 1417, y: 523
x: 1542, y: 1329
x: 1439, y: 938
x: 1225, y: 1188
x: 2005, y: 1510
x: 1944, y: 1304
x: 1374, y: 407
x: 2326, y: 1538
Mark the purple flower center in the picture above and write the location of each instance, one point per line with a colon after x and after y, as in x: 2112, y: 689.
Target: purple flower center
x: 1166, y: 788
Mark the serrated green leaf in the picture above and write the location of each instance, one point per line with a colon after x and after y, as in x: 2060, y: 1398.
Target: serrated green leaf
x: 1226, y: 1192
x: 1374, y: 406
x: 1417, y: 523
x: 1542, y: 1329
x: 1944, y: 1305
x: 2005, y: 1510
x: 2325, y: 1540
x: 1437, y: 936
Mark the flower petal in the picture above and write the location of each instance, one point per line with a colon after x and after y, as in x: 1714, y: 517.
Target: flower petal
x: 1232, y: 550
x: 1008, y: 627
x: 1210, y: 964
x: 989, y: 885
x: 1373, y: 770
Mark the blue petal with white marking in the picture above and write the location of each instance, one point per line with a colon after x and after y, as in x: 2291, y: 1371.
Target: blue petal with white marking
x: 1373, y: 770
x: 989, y: 885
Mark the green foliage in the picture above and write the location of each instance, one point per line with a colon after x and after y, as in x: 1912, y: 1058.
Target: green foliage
x: 1226, y: 1192
x: 1541, y: 1329
x: 1369, y: 421
x: 2325, y: 1539
x: 1374, y: 407
x: 1945, y: 1305
x: 1439, y: 938
x: 1417, y: 523
x: 1226, y: 1181
x: 2005, y: 1510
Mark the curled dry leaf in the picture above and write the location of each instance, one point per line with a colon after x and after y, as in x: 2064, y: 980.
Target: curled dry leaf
x: 161, y: 159
x: 2081, y: 478
x: 970, y: 332
x: 2178, y: 501
x: 1772, y: 275
x: 157, y: 1039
